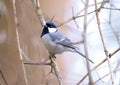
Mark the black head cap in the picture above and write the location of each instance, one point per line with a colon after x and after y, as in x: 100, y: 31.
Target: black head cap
x: 51, y: 25
x: 45, y: 28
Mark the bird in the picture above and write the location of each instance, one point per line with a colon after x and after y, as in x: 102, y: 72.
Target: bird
x: 55, y: 42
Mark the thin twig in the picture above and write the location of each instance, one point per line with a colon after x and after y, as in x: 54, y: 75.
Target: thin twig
x: 78, y: 16
x: 36, y: 63
x: 99, y: 76
x: 111, y: 8
x: 115, y: 33
x: 103, y: 42
x: 110, y: 55
x: 74, y: 18
x: 114, y: 52
x: 103, y: 76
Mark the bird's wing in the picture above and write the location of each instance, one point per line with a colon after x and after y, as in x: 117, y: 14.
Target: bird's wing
x: 59, y: 38
x: 65, y: 42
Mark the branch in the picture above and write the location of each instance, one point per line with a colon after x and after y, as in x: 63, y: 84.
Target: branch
x: 110, y: 55
x: 85, y: 42
x: 104, y: 77
x: 111, y: 8
x: 53, y: 65
x: 73, y: 18
x: 103, y: 42
x: 3, y: 78
x: 56, y: 70
x: 42, y: 21
x: 36, y: 63
x: 18, y: 41
x: 78, y: 16
x: 39, y: 12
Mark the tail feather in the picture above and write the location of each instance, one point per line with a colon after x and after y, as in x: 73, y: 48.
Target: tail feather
x: 83, y: 56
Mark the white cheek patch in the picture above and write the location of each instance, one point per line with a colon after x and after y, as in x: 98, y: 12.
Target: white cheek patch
x: 51, y: 30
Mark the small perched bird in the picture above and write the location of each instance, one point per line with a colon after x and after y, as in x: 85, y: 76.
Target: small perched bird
x: 56, y: 42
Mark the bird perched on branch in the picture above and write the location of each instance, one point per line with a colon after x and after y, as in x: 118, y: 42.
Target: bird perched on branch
x: 56, y: 42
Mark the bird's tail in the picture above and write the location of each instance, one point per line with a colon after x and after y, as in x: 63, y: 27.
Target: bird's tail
x: 83, y: 55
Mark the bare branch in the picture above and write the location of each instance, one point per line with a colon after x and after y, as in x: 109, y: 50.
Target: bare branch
x: 53, y: 62
x: 56, y: 70
x: 110, y: 55
x: 85, y: 42
x: 74, y: 19
x: 104, y: 76
x: 111, y: 8
x: 36, y: 63
x: 39, y: 11
x: 1, y: 73
x: 78, y: 16
x: 103, y: 42
x: 18, y: 41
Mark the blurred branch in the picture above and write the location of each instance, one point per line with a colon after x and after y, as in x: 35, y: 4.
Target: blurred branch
x: 114, y: 32
x: 117, y: 67
x: 39, y: 12
x: 100, y: 79
x: 104, y: 76
x: 53, y: 65
x: 78, y: 16
x: 103, y: 42
x: 85, y: 42
x: 3, y: 78
x: 74, y: 19
x: 35, y: 63
x: 111, y: 8
x: 56, y: 70
x: 18, y: 41
x: 110, y: 55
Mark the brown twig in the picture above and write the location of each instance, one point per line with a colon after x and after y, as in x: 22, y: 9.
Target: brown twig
x: 53, y: 65
x: 39, y: 12
x: 56, y: 70
x: 36, y: 63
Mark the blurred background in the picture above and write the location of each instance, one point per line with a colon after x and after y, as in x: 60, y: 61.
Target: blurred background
x: 26, y: 35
